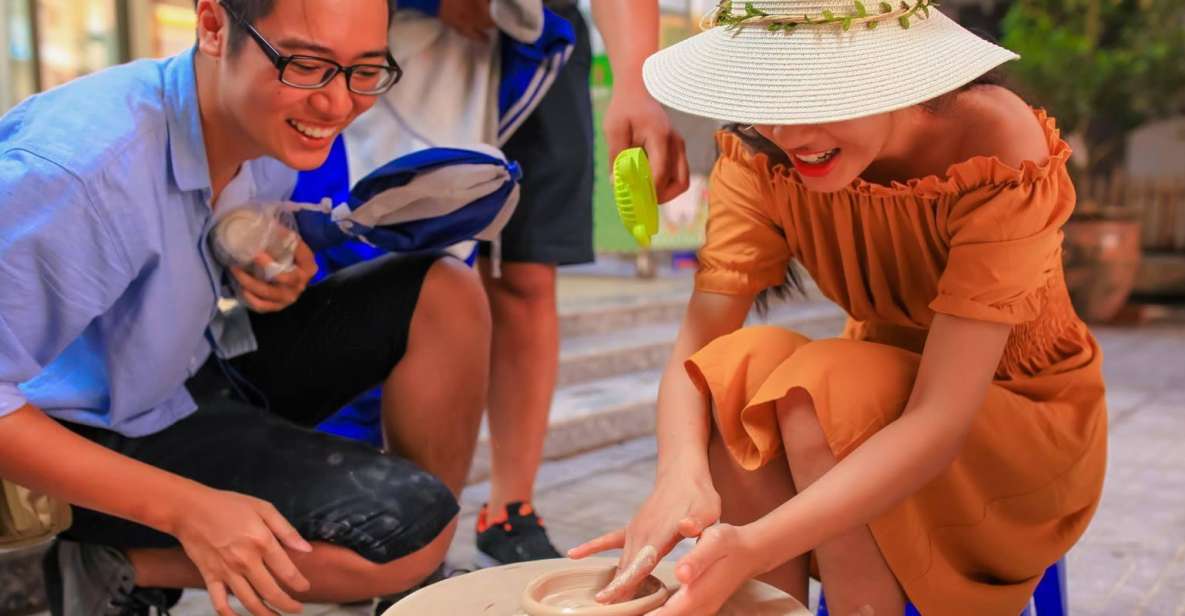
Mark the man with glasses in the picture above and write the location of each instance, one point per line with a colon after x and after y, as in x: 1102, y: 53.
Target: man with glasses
x: 176, y: 419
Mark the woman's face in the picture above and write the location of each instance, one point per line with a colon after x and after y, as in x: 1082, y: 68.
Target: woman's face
x: 831, y: 156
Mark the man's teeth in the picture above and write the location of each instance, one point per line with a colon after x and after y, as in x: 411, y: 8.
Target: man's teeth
x: 310, y: 131
x: 818, y: 157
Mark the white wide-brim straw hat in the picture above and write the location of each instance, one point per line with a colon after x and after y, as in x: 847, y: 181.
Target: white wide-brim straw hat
x: 814, y: 73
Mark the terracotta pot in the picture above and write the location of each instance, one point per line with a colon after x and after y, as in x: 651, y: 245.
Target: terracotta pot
x: 571, y: 591
x: 1101, y: 259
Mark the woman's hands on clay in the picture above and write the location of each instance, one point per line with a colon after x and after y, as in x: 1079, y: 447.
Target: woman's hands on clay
x: 282, y: 290
x: 237, y: 543
x: 678, y: 508
x: 724, y: 558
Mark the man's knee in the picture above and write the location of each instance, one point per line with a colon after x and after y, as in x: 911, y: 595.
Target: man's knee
x: 398, y: 575
x: 384, y: 508
x: 532, y: 283
x: 452, y: 295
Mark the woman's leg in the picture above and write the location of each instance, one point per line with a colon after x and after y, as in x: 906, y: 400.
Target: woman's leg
x: 746, y: 496
x: 852, y: 568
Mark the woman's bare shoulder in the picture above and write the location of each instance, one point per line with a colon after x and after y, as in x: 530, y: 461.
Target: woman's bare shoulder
x: 1001, y: 124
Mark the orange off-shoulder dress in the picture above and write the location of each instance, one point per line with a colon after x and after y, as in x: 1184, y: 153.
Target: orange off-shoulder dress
x: 983, y: 242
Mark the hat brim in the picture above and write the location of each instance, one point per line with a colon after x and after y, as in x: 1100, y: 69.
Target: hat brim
x: 818, y: 74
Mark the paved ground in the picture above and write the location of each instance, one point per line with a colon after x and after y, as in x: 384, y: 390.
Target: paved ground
x: 1131, y: 561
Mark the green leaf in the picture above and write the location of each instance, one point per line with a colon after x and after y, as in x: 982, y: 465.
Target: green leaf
x: 926, y: 10
x: 886, y: 7
x: 904, y: 6
x: 871, y: 25
x: 828, y: 15
x: 860, y: 10
x: 847, y: 24
x: 904, y: 21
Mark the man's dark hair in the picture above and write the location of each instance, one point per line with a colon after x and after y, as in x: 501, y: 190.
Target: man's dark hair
x: 254, y: 10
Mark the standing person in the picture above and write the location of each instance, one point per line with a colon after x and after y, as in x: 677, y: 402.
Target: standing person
x: 180, y: 432
x: 552, y: 226
x: 951, y: 444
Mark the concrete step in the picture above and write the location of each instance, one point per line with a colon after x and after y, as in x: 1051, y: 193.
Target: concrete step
x: 598, y: 410
x: 617, y: 314
x: 589, y: 416
x: 647, y: 346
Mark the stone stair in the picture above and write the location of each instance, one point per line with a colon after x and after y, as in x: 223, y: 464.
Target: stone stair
x: 614, y: 346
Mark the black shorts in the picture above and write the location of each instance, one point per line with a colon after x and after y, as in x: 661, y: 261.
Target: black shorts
x: 252, y: 431
x: 553, y: 222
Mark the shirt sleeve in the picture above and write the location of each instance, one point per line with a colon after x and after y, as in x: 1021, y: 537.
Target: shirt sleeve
x: 745, y: 250
x: 1005, y: 246
x: 59, y: 267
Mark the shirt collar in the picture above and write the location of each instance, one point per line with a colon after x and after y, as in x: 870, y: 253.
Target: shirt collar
x: 187, y: 146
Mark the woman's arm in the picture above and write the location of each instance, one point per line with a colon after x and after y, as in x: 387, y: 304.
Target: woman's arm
x: 958, y: 363
x: 683, y: 501
x: 683, y: 418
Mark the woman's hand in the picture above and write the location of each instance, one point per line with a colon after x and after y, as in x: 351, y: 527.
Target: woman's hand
x: 678, y: 508
x: 237, y: 543
x: 722, y: 561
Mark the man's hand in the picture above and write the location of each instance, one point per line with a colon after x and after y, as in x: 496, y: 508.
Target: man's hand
x: 630, y: 31
x: 636, y: 119
x: 238, y: 544
x: 281, y: 291
x: 470, y: 18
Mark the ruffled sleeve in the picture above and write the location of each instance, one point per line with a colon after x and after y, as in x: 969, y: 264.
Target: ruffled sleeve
x: 745, y: 250
x: 1005, y: 238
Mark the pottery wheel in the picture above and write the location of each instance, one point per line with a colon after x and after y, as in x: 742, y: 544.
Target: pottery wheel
x: 496, y: 592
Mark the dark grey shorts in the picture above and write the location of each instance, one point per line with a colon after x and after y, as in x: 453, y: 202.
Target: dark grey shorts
x: 252, y: 431
x: 554, y: 219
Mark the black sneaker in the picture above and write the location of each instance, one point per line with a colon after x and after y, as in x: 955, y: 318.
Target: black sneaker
x: 443, y: 572
x: 95, y: 580
x: 517, y: 537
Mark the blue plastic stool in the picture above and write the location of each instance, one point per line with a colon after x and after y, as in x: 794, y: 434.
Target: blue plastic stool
x: 1050, y: 598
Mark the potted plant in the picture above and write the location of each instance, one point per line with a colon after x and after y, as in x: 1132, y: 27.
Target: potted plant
x: 1103, y: 68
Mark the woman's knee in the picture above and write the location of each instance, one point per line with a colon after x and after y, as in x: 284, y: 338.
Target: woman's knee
x: 807, y: 449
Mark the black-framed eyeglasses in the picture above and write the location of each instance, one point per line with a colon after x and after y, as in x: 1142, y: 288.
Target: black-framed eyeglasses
x: 312, y: 72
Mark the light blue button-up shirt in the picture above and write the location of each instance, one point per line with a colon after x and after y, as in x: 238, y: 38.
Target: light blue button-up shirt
x: 108, y: 293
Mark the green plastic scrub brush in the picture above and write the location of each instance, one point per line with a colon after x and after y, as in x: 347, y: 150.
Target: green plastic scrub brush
x: 633, y: 189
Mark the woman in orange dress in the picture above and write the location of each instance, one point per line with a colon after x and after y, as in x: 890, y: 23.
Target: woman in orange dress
x: 950, y: 445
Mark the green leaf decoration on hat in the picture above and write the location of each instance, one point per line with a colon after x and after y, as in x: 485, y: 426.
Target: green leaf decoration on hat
x: 723, y: 15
